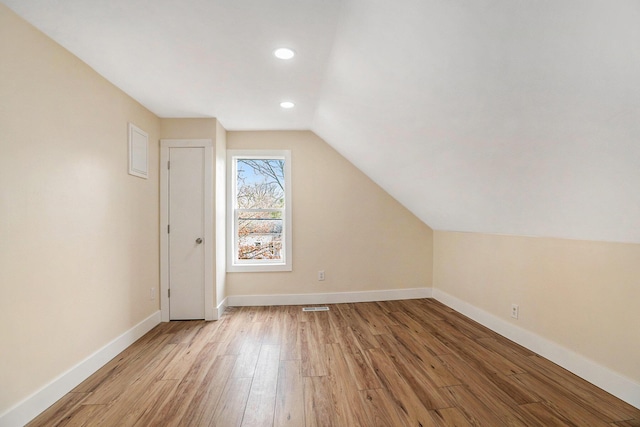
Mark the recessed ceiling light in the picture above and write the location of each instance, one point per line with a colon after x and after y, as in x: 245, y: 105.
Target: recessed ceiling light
x: 284, y: 53
x: 287, y: 104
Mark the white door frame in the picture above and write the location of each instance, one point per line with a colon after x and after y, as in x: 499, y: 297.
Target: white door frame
x: 209, y: 242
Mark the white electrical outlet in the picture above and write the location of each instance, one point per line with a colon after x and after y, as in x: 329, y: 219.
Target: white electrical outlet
x: 321, y: 275
x: 152, y: 293
x: 515, y: 311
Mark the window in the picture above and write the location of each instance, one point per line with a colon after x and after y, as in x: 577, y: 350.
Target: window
x: 259, y: 210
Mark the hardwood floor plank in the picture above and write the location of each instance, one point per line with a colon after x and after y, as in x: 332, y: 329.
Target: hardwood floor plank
x: 325, y: 333
x: 232, y: 324
x: 232, y: 403
x: 375, y: 319
x: 150, y: 403
x: 82, y: 416
x: 473, y: 407
x: 420, y: 357
x: 201, y: 407
x: 415, y: 377
x: 184, y: 332
x: 420, y: 312
x: 289, y: 410
x: 465, y: 325
x: 519, y: 358
x: 181, y: 363
x: 312, y: 350
x: 290, y: 349
x: 350, y: 411
x: 260, y: 405
x: 59, y: 410
x: 248, y: 352
x: 140, y: 373
x: 189, y: 391
x: 514, y: 389
x: 319, y: 408
x: 502, y: 345
x: 407, y: 404
x: 364, y: 338
x: 450, y: 417
x: 435, y: 307
x: 569, y: 383
x: 381, y: 409
x: 273, y: 332
x: 480, y: 384
x: 409, y: 326
x: 134, y: 358
x: 387, y: 306
x: 359, y: 330
x: 260, y: 314
x: 343, y: 332
x: 344, y: 307
x: 628, y: 423
x: 478, y: 356
x: 568, y: 407
x: 361, y: 370
x: 539, y: 415
x: 139, y: 398
x: 237, y: 334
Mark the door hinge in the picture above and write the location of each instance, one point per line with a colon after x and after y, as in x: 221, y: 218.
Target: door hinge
x: 168, y: 165
x: 168, y: 228
x: 169, y: 292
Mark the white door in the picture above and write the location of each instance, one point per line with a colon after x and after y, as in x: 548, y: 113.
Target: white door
x: 186, y: 233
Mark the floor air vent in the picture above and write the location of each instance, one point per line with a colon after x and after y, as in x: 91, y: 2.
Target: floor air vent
x: 315, y: 309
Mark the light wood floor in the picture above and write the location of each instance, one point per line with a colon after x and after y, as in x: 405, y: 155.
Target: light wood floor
x: 399, y: 363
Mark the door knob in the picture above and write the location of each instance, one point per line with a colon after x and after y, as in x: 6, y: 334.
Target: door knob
x: 199, y: 240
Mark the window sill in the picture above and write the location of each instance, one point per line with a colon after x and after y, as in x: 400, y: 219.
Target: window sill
x: 257, y: 268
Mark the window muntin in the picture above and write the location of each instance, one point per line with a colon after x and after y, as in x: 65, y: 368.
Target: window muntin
x: 260, y: 206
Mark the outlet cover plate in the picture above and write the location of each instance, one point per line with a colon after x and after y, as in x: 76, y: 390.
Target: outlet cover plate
x: 515, y: 311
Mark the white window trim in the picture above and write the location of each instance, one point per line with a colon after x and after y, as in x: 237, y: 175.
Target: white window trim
x: 257, y: 265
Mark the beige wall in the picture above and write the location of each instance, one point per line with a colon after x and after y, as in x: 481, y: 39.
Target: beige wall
x: 202, y: 128
x: 582, y: 295
x: 78, y: 235
x: 343, y: 223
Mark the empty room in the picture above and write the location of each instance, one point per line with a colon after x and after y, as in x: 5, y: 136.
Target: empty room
x: 319, y: 213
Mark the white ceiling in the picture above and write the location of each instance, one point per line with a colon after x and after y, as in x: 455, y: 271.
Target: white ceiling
x: 501, y: 116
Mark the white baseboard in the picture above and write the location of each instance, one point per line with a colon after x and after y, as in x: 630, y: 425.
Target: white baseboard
x: 222, y: 307
x: 618, y: 385
x: 328, y: 298
x: 33, y: 405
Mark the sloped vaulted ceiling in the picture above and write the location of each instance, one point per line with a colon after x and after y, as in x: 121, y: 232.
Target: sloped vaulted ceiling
x: 498, y: 116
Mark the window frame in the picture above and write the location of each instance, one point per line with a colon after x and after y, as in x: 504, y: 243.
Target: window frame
x: 235, y: 265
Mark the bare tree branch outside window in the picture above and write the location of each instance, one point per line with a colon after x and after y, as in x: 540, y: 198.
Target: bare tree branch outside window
x: 261, y: 201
